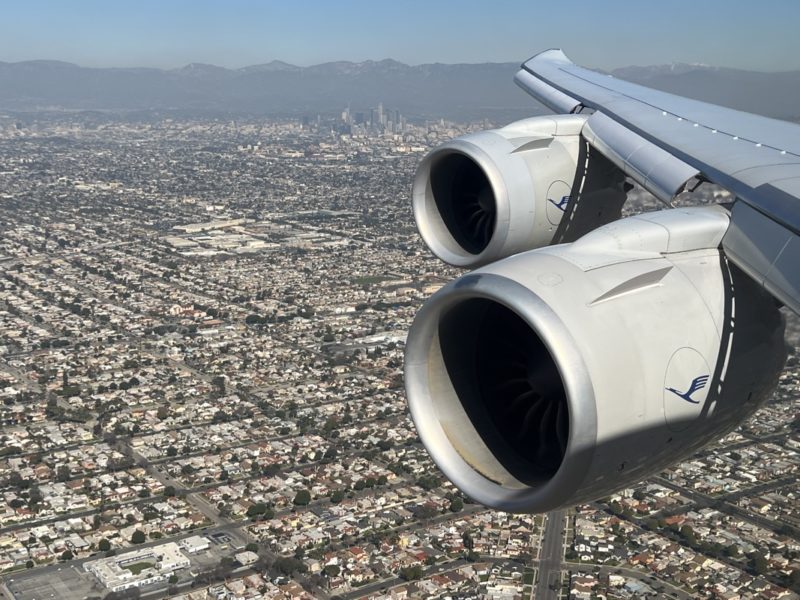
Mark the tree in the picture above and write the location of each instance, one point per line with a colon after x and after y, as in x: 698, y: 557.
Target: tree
x: 332, y: 570
x: 66, y: 555
x: 63, y: 473
x: 688, y: 534
x: 34, y: 496
x: 425, y: 511
x: 271, y: 470
x: 16, y: 480
x: 251, y: 547
x: 428, y: 482
x: 287, y: 566
x: 467, y: 540
x: 219, y: 383
x: 760, y: 564
x: 794, y: 580
x: 456, y: 505
x: 253, y: 319
x: 104, y: 545
x: 138, y: 537
x: 411, y: 573
x: 172, y: 451
x: 337, y: 496
x: 169, y: 491
x: 570, y: 554
x: 259, y: 508
x: 303, y: 498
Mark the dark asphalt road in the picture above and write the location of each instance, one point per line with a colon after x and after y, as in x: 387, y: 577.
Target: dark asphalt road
x: 550, y: 557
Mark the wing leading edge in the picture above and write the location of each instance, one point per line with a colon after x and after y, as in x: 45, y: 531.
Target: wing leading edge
x: 666, y: 139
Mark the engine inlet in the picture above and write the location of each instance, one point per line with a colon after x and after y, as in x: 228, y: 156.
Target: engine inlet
x: 499, y: 393
x: 509, y: 387
x: 465, y: 201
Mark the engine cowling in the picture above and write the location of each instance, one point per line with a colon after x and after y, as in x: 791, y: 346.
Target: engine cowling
x: 560, y: 375
x: 491, y: 194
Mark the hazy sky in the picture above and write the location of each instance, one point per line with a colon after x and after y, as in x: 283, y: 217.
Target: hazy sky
x: 757, y: 34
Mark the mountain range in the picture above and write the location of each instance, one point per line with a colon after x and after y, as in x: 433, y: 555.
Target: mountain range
x: 453, y: 91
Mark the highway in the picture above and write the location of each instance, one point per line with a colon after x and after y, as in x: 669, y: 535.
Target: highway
x: 551, y: 554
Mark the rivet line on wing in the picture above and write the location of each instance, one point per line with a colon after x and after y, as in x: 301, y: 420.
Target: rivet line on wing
x: 663, y: 112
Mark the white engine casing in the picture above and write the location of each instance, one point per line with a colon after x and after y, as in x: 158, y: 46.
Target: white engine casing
x: 658, y: 346
x: 529, y: 167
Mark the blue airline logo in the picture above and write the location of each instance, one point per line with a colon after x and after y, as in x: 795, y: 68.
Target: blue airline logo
x: 697, y: 384
x: 561, y: 204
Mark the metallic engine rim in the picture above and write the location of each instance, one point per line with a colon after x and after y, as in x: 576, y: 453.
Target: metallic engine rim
x: 426, y: 214
x: 574, y: 373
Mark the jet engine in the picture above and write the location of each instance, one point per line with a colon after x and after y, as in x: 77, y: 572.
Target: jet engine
x: 491, y: 194
x: 560, y: 375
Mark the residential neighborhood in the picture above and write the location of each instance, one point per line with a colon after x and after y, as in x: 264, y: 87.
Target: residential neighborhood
x: 202, y: 325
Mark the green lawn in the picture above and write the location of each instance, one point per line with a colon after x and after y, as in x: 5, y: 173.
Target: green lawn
x: 527, y: 578
x: 370, y: 279
x: 137, y: 568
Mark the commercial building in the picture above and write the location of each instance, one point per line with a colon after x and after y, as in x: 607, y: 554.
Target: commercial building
x: 135, y: 569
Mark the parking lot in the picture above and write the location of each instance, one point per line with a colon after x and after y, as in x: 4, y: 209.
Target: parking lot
x: 62, y: 583
x: 70, y: 582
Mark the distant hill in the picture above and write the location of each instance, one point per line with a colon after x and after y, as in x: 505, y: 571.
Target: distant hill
x: 772, y: 94
x: 460, y: 91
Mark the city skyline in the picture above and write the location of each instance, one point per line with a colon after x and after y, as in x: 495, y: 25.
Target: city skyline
x: 242, y: 33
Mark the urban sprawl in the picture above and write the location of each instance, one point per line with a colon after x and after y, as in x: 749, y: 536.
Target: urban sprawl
x: 202, y: 322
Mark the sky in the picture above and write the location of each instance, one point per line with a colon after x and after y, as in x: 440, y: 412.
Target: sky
x: 757, y: 35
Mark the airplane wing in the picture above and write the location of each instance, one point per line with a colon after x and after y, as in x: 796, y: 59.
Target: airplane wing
x: 554, y: 373
x: 671, y: 139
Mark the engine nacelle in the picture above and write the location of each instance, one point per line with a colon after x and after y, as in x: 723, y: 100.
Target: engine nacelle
x: 491, y: 194
x: 560, y: 375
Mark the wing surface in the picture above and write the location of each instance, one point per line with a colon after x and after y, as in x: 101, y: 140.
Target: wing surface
x: 754, y: 157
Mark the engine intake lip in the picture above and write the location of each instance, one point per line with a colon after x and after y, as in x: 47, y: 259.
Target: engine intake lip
x: 441, y: 232
x: 456, y: 445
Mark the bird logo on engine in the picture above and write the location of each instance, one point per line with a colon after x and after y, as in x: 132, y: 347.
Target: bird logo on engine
x: 698, y: 383
x: 561, y: 204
